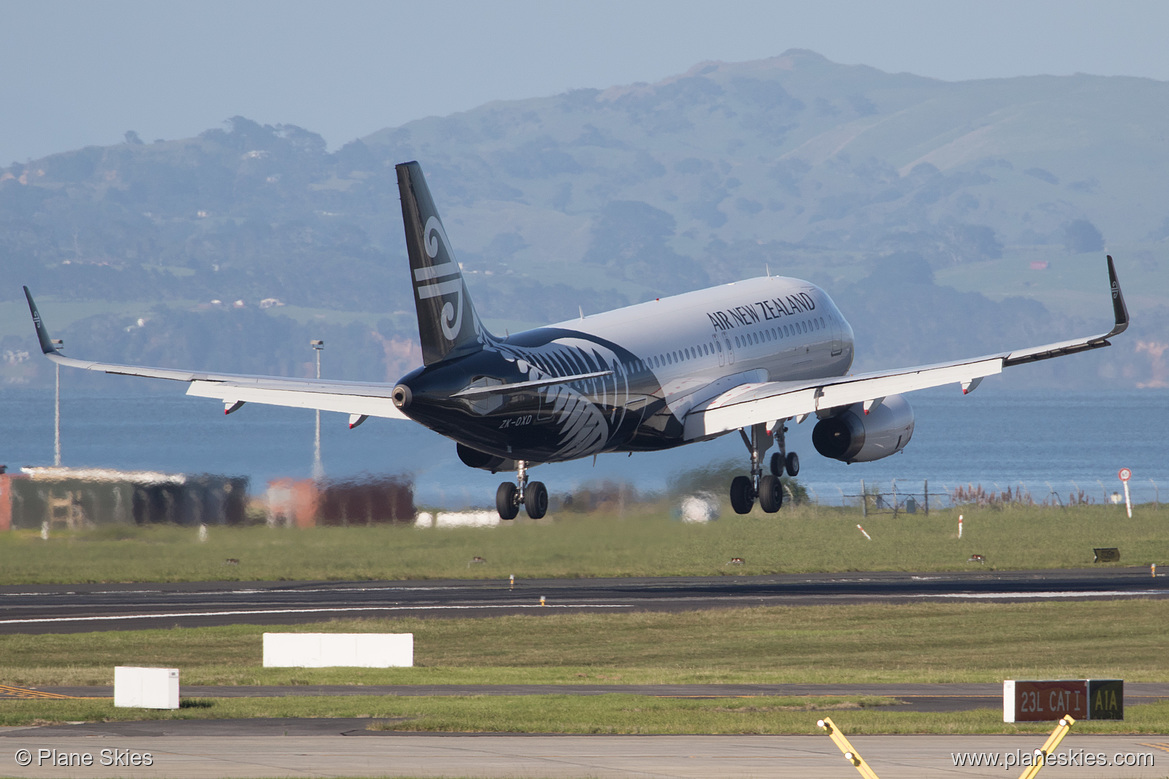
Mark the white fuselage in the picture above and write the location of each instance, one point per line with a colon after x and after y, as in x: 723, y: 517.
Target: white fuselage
x: 624, y: 380
x: 782, y: 328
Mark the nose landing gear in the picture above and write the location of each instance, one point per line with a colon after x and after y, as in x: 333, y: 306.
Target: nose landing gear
x: 532, y: 496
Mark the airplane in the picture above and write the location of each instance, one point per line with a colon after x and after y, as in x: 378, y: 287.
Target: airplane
x: 749, y: 356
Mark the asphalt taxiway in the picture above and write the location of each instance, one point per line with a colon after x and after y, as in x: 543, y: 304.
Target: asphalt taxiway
x: 907, y: 696
x: 84, y: 608
x: 344, y: 748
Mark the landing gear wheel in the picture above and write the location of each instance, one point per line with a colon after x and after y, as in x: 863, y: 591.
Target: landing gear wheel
x: 770, y: 494
x: 742, y: 498
x: 536, y: 500
x: 777, y: 464
x: 793, y: 464
x: 505, y: 501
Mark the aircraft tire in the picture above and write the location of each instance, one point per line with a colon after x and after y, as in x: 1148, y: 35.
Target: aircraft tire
x: 793, y: 464
x: 776, y: 464
x: 536, y: 500
x: 770, y: 494
x: 741, y: 498
x: 505, y: 502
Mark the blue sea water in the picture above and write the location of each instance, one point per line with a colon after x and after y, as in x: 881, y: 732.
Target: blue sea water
x: 1044, y: 441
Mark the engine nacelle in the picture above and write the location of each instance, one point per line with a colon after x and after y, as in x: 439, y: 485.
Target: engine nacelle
x: 855, y: 437
x: 488, y: 462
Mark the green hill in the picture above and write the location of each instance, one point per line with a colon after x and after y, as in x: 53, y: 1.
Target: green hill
x: 948, y: 218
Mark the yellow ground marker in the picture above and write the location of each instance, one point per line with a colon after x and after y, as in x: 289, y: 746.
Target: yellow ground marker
x: 858, y: 762
x: 23, y: 693
x: 850, y: 753
x: 1061, y: 730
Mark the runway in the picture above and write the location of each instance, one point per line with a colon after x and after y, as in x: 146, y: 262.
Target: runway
x: 84, y: 608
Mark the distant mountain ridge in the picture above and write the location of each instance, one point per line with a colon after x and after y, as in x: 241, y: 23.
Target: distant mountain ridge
x: 802, y: 151
x: 594, y: 198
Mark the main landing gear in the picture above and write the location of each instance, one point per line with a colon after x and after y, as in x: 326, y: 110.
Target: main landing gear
x: 766, y: 487
x: 533, y: 496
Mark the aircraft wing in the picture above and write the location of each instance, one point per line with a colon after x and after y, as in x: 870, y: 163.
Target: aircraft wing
x: 358, y: 399
x: 763, y: 403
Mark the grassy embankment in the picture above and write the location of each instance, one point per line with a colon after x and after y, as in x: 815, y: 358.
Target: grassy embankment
x: 610, y: 714
x: 924, y: 642
x: 643, y: 542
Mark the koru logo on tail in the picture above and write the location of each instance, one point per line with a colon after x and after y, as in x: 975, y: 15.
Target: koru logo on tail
x: 442, y: 279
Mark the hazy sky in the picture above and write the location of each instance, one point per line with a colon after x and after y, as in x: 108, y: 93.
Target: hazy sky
x: 79, y: 73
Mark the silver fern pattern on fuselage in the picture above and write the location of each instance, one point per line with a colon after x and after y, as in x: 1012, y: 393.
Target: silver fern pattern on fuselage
x: 553, y: 422
x: 590, y: 413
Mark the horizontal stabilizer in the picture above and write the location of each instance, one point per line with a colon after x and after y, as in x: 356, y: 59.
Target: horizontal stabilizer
x: 497, y: 389
x: 357, y: 400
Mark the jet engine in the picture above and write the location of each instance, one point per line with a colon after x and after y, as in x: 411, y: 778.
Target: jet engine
x: 852, y: 436
x: 488, y: 462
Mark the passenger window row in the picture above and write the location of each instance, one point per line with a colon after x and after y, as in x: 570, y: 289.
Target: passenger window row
x: 742, y: 341
x: 680, y: 355
x: 779, y: 332
x: 775, y: 333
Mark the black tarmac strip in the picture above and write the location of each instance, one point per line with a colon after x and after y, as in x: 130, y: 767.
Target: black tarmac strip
x: 222, y: 728
x: 95, y: 607
x: 909, y: 697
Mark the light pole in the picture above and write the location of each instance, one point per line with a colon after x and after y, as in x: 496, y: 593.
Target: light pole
x: 57, y: 342
x: 318, y: 468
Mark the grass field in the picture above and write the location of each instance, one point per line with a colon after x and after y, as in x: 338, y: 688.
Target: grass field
x: 952, y: 642
x: 609, y: 714
x: 643, y: 542
x: 919, y: 642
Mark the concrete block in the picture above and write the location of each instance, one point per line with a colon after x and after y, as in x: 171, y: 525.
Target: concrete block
x: 332, y: 650
x: 146, y: 688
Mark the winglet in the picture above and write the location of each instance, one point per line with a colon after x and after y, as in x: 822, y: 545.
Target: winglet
x: 1120, y: 324
x: 1119, y: 309
x: 42, y: 334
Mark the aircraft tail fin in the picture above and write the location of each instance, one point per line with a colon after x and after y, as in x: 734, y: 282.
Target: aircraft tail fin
x: 447, y: 322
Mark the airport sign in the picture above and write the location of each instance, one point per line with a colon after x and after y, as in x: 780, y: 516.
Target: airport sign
x: 1041, y: 700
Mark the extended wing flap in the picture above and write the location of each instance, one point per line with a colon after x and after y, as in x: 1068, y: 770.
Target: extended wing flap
x: 761, y: 403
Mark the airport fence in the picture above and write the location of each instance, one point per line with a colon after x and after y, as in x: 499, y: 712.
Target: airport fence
x: 905, y: 497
